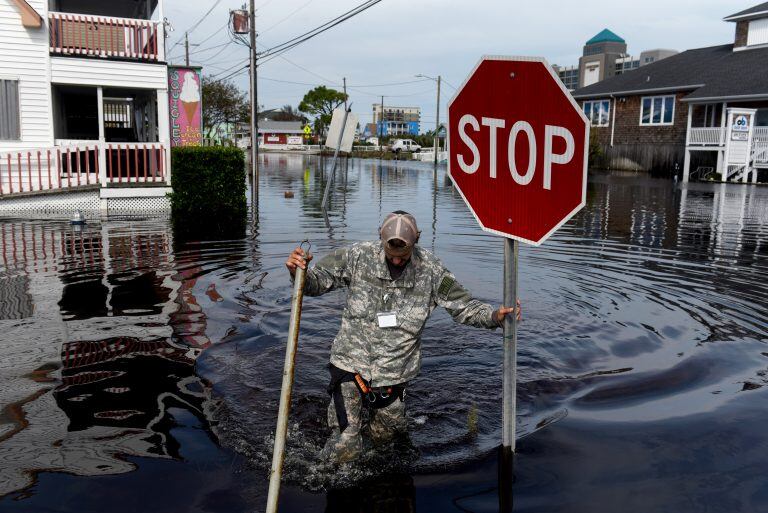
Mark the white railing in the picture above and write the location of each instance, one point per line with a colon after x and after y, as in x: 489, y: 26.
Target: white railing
x: 428, y: 155
x: 710, y: 136
x: 103, y: 36
x: 760, y: 153
x: 760, y: 135
x: 79, y: 165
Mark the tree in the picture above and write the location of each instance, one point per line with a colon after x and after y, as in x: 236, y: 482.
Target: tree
x: 288, y: 113
x: 320, y: 102
x: 223, y: 104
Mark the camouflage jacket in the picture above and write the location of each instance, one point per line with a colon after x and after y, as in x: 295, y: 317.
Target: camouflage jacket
x: 387, y: 356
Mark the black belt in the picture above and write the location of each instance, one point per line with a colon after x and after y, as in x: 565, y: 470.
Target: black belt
x: 374, y: 398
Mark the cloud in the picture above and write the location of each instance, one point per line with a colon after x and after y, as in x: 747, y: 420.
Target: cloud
x: 396, y: 39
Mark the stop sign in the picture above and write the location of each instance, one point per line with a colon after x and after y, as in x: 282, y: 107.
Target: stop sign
x: 518, y: 146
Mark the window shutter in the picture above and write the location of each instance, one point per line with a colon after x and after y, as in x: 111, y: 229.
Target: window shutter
x: 9, y: 110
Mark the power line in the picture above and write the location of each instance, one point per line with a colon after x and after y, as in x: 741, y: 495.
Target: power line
x: 287, y: 17
x: 197, y: 24
x: 270, y: 53
x: 394, y: 83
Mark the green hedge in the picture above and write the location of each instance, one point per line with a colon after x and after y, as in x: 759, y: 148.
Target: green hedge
x: 208, y: 187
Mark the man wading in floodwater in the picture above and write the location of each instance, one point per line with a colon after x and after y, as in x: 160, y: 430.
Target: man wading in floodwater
x: 394, y: 285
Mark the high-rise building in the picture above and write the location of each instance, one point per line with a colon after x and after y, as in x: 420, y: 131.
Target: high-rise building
x: 604, y: 56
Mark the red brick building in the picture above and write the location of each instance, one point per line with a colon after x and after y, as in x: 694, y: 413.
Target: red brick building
x: 673, y: 114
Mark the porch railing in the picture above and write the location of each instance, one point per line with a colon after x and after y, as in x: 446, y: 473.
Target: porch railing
x: 81, y: 166
x: 760, y: 153
x: 760, y: 135
x: 101, y: 36
x: 135, y: 162
x: 709, y: 136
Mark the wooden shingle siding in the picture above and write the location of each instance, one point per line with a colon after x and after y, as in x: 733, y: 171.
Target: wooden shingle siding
x: 651, y: 147
x: 24, y: 57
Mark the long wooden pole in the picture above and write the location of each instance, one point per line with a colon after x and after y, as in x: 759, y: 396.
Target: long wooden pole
x: 278, y: 454
x: 254, y: 102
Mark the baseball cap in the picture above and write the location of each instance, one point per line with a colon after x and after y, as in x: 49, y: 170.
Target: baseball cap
x: 400, y: 226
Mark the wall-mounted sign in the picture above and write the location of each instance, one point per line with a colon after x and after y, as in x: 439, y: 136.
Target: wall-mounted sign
x: 739, y: 136
x: 741, y: 123
x: 294, y: 139
x: 185, y: 106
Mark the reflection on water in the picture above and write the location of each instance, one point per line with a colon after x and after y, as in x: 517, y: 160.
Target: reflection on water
x: 125, y: 350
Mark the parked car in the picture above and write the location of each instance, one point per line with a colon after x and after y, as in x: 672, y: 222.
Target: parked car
x: 399, y: 145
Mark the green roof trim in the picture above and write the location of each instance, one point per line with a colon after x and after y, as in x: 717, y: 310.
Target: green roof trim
x: 604, y: 36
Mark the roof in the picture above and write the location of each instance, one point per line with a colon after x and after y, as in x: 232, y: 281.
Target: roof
x: 758, y: 11
x: 605, y: 36
x: 280, y: 127
x: 716, y: 73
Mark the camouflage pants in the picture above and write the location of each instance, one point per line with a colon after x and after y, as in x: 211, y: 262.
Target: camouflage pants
x: 385, y: 424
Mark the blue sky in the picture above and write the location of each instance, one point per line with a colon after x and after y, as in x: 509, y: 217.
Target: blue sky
x: 397, y: 39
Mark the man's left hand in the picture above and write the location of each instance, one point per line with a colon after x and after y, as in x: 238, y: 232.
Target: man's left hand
x: 503, y: 311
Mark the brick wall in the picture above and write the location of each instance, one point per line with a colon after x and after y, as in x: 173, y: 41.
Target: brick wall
x: 647, y: 147
x: 742, y: 29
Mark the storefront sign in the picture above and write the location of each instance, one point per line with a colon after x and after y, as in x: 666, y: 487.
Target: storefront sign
x: 185, y: 106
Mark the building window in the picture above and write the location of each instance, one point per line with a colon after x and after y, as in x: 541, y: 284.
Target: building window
x: 657, y: 110
x: 598, y: 112
x: 9, y: 110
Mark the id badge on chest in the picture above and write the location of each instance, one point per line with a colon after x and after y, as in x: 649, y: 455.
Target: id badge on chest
x: 387, y: 319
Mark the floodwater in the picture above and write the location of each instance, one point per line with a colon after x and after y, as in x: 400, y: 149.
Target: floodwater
x: 140, y: 371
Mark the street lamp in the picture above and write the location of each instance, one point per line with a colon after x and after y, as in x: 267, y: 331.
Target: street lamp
x: 435, y: 145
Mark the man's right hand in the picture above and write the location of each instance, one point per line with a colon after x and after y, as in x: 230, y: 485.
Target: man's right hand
x: 296, y: 259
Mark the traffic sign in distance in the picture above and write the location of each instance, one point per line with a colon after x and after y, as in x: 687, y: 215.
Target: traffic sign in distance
x: 518, y: 146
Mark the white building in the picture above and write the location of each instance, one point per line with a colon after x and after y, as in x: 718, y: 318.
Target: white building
x: 84, y: 96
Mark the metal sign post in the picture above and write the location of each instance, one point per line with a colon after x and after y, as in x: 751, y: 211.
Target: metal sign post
x: 343, y: 130
x: 278, y: 454
x: 518, y: 146
x: 510, y: 346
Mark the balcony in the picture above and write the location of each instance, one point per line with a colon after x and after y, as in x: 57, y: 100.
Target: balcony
x: 89, y: 35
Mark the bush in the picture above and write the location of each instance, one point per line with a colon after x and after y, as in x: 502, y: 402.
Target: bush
x: 596, y: 157
x: 208, y: 187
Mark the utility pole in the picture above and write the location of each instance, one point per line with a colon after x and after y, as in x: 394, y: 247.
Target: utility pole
x: 437, y: 121
x: 382, y: 121
x: 254, y: 105
x: 345, y: 94
x: 186, y: 47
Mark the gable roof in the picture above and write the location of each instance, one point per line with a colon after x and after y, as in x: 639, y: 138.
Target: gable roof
x: 280, y: 127
x: 758, y: 11
x: 713, y: 73
x: 605, y: 36
x: 29, y: 16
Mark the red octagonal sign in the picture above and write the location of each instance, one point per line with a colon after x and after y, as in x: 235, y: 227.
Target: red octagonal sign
x: 518, y: 148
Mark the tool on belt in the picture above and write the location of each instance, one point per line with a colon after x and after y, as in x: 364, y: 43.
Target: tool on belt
x: 373, y: 397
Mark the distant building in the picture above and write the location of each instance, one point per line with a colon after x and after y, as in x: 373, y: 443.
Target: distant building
x: 280, y: 134
x: 396, y: 120
x: 704, y: 110
x: 604, y: 56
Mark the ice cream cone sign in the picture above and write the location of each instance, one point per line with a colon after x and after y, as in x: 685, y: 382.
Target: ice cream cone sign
x: 185, y: 102
x: 190, y: 96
